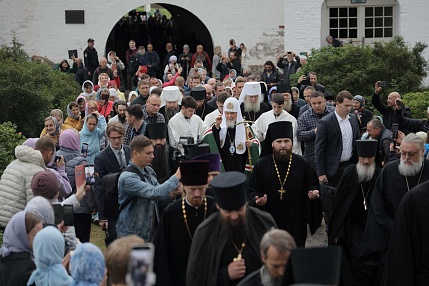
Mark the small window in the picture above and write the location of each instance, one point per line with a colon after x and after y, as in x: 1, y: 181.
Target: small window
x: 343, y: 22
x: 75, y: 16
x: 378, y: 22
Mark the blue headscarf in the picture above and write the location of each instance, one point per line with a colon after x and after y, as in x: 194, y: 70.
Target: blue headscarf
x: 48, y: 248
x: 87, y: 265
x: 15, y: 238
x: 42, y: 208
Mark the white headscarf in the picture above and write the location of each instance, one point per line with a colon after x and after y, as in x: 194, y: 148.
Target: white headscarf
x: 251, y: 88
x: 232, y: 105
x: 170, y: 93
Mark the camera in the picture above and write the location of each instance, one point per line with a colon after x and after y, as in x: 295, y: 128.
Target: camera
x: 63, y: 213
x: 381, y: 84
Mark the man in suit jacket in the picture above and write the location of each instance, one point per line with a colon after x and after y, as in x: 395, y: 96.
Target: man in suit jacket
x: 110, y: 160
x: 336, y: 136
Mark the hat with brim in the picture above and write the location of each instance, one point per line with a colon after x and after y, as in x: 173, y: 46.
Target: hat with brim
x: 214, y: 161
x: 157, y: 130
x: 194, y: 172
x: 230, y: 190
x: 366, y: 148
x: 276, y: 130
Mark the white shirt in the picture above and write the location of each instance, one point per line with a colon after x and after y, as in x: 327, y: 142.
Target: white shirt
x: 347, y: 135
x: 211, y: 118
x: 179, y: 126
x: 116, y: 152
x: 261, y: 126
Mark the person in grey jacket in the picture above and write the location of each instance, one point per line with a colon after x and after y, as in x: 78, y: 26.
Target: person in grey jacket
x: 140, y: 214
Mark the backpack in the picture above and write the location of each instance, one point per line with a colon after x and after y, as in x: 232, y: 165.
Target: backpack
x: 109, y: 199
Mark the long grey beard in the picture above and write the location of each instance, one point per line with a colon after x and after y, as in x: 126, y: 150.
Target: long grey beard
x: 288, y: 106
x: 251, y: 106
x: 267, y: 279
x: 410, y: 171
x: 170, y: 113
x: 364, y: 173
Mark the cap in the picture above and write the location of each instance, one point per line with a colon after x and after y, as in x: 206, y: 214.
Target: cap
x: 45, y: 184
x: 360, y: 99
x: 214, y: 161
x: 197, y: 150
x: 230, y: 190
x: 198, y: 93
x: 157, y: 130
x: 367, y: 148
x: 194, y: 172
x: 276, y: 130
x: 90, y: 40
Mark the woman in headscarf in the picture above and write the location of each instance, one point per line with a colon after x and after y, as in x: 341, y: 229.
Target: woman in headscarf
x: 70, y: 150
x: 16, y: 254
x: 88, y: 90
x: 42, y: 208
x: 92, y: 132
x: 48, y: 253
x: 74, y: 118
x: 87, y: 265
x: 53, y: 125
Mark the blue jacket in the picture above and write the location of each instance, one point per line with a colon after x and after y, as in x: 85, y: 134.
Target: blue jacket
x: 139, y: 215
x: 93, y: 138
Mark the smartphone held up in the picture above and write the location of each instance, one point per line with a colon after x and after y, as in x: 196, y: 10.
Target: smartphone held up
x: 140, y: 266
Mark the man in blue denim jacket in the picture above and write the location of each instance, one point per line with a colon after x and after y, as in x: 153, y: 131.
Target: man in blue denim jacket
x: 140, y: 216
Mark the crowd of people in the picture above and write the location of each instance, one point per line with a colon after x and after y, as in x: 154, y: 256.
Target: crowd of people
x: 221, y: 170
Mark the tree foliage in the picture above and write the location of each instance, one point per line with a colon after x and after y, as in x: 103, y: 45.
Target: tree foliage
x: 418, y: 102
x: 30, y: 90
x: 9, y: 139
x: 357, y: 68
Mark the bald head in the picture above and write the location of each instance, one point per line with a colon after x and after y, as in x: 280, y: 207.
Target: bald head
x: 391, y: 99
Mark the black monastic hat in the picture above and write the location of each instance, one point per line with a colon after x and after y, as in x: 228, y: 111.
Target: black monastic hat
x: 194, y: 172
x: 366, y: 148
x: 194, y: 151
x: 230, y: 190
x: 276, y: 130
x: 214, y: 161
x: 157, y: 130
x: 198, y: 93
x: 283, y: 88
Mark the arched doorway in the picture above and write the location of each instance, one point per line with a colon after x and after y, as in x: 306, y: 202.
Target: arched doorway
x: 181, y: 28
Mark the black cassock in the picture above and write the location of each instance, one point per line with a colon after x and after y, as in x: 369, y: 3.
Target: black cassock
x: 212, y: 250
x: 407, y: 260
x: 173, y: 243
x: 295, y: 210
x: 389, y: 189
x: 347, y: 223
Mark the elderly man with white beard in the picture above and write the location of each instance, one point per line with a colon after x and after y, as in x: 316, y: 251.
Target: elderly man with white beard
x: 349, y: 211
x: 395, y: 180
x: 170, y: 102
x: 251, y: 101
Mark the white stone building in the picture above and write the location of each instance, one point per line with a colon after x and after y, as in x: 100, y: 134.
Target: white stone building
x: 266, y: 27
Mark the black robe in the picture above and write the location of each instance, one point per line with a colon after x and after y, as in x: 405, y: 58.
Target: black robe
x: 204, y: 110
x: 234, y: 162
x: 295, y: 210
x: 253, y: 116
x: 172, y: 243
x: 210, y: 241
x: 407, y: 260
x: 388, y: 192
x: 347, y: 223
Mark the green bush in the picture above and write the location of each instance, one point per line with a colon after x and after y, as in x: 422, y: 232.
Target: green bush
x: 418, y: 102
x: 357, y: 68
x: 9, y: 139
x: 30, y: 90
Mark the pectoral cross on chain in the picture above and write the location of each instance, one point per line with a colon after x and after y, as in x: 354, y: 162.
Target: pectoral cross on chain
x: 281, y: 192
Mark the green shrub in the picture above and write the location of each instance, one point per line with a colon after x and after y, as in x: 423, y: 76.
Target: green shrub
x: 9, y: 139
x: 30, y: 90
x: 357, y: 68
x: 418, y: 102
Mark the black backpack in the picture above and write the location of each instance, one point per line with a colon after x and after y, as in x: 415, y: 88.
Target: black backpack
x: 109, y: 185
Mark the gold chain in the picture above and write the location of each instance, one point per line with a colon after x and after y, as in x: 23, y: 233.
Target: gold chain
x: 185, y: 217
x: 239, y: 256
x: 282, y: 191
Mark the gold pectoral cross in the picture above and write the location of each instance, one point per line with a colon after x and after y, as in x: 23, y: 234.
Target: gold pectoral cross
x: 281, y: 192
x: 239, y: 257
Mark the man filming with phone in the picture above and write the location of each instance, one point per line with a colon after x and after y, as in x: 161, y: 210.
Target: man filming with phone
x: 394, y: 104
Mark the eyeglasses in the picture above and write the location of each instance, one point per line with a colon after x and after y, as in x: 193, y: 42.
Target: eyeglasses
x: 92, y: 108
x: 410, y: 154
